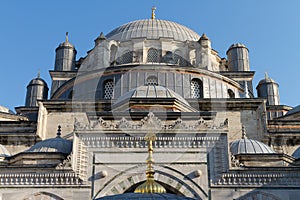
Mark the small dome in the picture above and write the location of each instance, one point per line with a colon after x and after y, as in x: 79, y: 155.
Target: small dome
x: 153, y: 29
x: 151, y: 91
x: 66, y: 43
x: 58, y: 144
x: 248, y: 146
x: 4, y: 152
x: 145, y: 196
x: 267, y: 80
x: 37, y: 81
x: 296, y: 153
x: 236, y: 45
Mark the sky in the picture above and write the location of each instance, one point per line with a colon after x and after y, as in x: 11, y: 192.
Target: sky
x: 31, y: 30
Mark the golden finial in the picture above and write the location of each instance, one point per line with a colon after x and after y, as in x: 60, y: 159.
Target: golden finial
x: 150, y: 186
x: 153, y: 12
x: 67, y: 36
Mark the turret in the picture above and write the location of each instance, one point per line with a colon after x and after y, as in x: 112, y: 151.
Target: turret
x: 204, y: 41
x: 65, y: 56
x: 269, y: 89
x: 238, y: 58
x: 37, y: 89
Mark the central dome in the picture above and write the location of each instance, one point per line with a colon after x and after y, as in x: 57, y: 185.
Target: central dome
x: 153, y: 29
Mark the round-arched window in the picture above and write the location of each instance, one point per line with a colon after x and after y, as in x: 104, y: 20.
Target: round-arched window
x: 152, y: 80
x: 108, y: 89
x: 196, y: 88
x: 152, y: 55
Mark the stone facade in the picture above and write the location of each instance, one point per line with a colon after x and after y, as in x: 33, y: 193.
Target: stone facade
x: 168, y: 81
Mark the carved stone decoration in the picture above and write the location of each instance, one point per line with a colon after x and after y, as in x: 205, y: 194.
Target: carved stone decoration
x: 150, y: 122
x: 66, y: 164
x: 235, y: 162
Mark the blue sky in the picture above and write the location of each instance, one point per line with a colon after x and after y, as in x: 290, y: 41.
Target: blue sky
x: 31, y: 30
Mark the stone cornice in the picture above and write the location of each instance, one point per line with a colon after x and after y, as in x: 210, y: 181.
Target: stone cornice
x: 150, y: 122
x: 39, y: 179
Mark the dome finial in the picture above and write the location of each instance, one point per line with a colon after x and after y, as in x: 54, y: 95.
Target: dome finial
x: 153, y: 12
x: 150, y: 186
x: 266, y: 75
x: 58, y: 131
x: 39, y: 74
x: 243, y: 132
x: 67, y: 36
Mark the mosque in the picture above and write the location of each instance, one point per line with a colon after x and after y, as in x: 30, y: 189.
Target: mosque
x: 151, y: 112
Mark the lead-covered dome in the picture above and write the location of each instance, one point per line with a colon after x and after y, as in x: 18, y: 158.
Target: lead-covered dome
x: 151, y: 91
x: 58, y: 145
x: 249, y: 146
x: 152, y: 29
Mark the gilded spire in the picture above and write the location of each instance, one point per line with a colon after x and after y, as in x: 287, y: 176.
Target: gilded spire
x: 153, y: 12
x: 150, y: 186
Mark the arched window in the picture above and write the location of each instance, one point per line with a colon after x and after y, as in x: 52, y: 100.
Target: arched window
x: 196, y: 88
x: 230, y: 94
x: 179, y: 60
x: 152, y: 55
x: 126, y: 57
x: 168, y: 58
x: 108, y: 89
x: 152, y: 80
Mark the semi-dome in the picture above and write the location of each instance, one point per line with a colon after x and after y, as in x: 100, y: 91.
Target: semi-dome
x: 4, y: 152
x: 145, y: 196
x: 151, y: 91
x: 249, y: 146
x: 152, y: 29
x: 58, y: 144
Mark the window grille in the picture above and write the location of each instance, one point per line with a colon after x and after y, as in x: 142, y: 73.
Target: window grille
x: 152, y: 55
x: 196, y: 89
x: 152, y: 80
x: 108, y: 89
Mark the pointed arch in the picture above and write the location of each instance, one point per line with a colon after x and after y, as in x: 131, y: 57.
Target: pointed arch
x: 43, y: 195
x: 173, y: 180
